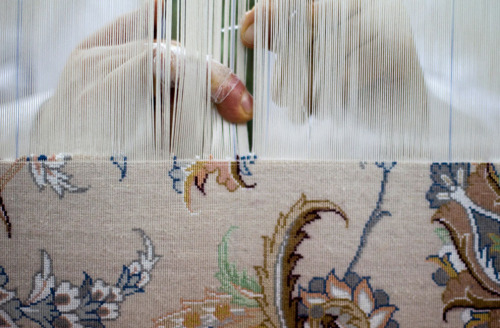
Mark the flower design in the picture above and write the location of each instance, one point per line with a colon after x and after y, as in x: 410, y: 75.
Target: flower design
x: 66, y: 305
x: 214, y: 310
x: 9, y: 305
x: 270, y: 300
x: 231, y: 304
x: 466, y: 199
x: 44, y: 171
x: 229, y: 174
x: 446, y: 180
x: 47, y: 171
x: 350, y: 302
x: 66, y: 297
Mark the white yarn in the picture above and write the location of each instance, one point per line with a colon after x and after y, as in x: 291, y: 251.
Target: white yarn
x: 363, y: 80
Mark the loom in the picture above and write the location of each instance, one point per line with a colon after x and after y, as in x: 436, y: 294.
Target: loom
x: 364, y: 192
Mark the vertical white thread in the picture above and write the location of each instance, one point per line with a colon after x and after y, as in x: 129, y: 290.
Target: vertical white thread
x: 363, y: 80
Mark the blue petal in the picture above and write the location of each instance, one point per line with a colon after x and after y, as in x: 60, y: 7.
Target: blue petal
x: 4, y: 278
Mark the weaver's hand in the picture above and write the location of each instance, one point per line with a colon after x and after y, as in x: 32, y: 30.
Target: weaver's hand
x: 106, y: 61
x: 227, y: 92
x: 100, y: 102
x: 372, y: 33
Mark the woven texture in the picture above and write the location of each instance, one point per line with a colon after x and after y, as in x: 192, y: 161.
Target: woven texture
x: 249, y: 243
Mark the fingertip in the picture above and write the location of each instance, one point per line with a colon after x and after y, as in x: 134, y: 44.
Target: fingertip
x: 238, y: 106
x: 247, y: 29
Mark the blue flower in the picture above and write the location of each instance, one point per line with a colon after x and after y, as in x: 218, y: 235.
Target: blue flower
x: 446, y: 178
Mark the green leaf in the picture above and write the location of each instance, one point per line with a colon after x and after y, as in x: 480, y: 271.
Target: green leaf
x: 444, y: 235
x: 496, y: 242
x: 230, y: 278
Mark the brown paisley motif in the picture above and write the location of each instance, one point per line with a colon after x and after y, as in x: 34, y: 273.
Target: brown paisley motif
x: 465, y: 291
x: 280, y: 258
x: 454, y: 217
x: 469, y: 208
x: 494, y: 316
x: 484, y: 189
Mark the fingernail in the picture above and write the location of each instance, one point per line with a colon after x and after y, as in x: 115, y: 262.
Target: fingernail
x: 247, y: 102
x: 248, y: 35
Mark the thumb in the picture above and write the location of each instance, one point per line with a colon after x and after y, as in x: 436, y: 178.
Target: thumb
x: 227, y: 91
x: 230, y: 96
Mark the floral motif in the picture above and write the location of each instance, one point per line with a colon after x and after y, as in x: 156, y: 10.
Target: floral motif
x: 47, y: 171
x: 66, y: 305
x: 466, y: 200
x: 44, y: 171
x: 229, y: 174
x: 350, y: 302
x: 239, y: 285
x: 276, y: 275
x: 231, y: 304
x: 214, y: 310
x: 270, y: 300
x: 447, y: 179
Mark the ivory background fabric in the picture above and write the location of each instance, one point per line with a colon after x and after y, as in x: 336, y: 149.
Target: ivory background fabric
x: 93, y: 231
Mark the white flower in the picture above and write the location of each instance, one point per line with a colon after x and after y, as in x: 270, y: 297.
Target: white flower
x: 102, y: 292
x: 108, y: 311
x: 67, y: 320
x: 361, y: 296
x: 66, y: 297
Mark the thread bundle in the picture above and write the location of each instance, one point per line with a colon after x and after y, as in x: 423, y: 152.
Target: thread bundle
x: 332, y: 80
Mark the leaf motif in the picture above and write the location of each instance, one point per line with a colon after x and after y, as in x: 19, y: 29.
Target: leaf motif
x: 240, y: 286
x: 443, y: 235
x: 280, y: 258
x: 199, y: 172
x: 445, y: 264
x: 496, y: 242
x: 47, y: 171
x: 43, y: 282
